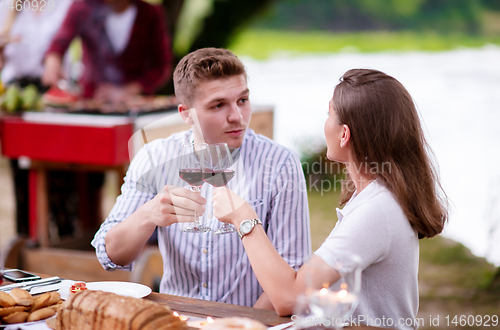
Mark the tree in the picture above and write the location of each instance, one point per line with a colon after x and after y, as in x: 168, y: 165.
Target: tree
x: 222, y: 23
x: 227, y: 18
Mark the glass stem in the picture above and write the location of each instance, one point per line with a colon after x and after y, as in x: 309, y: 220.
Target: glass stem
x: 196, y: 189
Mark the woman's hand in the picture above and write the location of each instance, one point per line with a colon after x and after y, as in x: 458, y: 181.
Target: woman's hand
x: 231, y: 208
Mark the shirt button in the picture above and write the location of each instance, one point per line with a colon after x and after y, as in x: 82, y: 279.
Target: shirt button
x: 205, y: 285
x: 205, y: 251
x: 209, y: 216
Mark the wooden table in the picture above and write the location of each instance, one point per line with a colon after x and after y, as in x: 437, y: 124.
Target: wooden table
x: 204, y: 308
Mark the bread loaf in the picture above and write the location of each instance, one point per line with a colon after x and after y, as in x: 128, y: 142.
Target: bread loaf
x: 89, y: 310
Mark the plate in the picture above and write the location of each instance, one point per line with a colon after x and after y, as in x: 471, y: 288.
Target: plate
x: 128, y: 289
x: 40, y: 325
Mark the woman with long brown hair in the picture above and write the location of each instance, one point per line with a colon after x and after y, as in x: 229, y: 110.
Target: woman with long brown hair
x: 391, y: 198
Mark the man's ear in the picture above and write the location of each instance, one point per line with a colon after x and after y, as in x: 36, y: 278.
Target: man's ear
x: 185, y: 111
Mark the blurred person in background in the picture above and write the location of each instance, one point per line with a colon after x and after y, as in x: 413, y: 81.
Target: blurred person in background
x: 28, y: 34
x: 25, y: 37
x: 126, y: 48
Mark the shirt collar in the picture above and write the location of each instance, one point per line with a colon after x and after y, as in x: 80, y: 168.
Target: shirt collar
x: 356, y: 199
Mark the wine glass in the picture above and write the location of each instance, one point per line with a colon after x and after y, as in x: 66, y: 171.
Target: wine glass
x: 217, y: 171
x: 328, y: 305
x: 190, y: 171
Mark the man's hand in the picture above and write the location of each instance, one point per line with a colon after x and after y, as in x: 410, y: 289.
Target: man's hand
x: 174, y: 204
x: 116, y: 94
x: 125, y: 241
x: 231, y: 208
x: 53, y: 70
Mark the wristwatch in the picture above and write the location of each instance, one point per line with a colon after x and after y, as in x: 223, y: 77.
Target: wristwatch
x: 246, y: 226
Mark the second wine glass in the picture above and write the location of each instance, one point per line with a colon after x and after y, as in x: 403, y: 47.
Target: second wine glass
x: 191, y: 171
x: 217, y: 171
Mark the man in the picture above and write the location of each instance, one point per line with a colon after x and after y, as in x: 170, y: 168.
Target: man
x: 126, y: 49
x: 211, y: 86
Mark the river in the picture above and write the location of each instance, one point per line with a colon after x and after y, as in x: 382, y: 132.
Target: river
x: 458, y: 96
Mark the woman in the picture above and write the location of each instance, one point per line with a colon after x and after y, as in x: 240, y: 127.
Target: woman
x: 390, y: 197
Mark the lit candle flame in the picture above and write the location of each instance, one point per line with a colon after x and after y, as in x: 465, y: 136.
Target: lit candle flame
x: 181, y: 317
x: 323, y: 291
x: 342, y: 293
x: 210, y: 320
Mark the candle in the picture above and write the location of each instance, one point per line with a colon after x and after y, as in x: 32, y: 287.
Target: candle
x: 342, y: 293
x: 181, y: 317
x: 208, y: 321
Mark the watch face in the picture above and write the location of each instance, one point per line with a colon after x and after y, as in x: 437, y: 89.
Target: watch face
x: 245, y: 227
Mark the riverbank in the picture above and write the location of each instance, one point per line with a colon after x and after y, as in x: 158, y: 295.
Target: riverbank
x: 263, y: 44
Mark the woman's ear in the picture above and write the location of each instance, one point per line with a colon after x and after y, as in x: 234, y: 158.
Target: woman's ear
x: 346, y: 136
x: 185, y: 111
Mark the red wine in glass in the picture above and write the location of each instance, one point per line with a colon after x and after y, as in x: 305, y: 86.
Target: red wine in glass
x: 190, y: 170
x: 218, y: 178
x: 192, y: 176
x: 217, y: 171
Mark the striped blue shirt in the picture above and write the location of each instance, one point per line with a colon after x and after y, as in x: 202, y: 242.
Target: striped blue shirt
x: 215, y: 267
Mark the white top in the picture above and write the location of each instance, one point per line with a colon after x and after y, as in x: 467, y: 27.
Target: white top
x: 119, y: 27
x: 36, y: 30
x: 216, y: 267
x: 373, y: 226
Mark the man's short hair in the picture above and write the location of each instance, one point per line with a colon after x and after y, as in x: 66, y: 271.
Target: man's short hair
x: 202, y: 65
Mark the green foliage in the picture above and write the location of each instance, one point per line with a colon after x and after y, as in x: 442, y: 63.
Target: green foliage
x: 321, y: 173
x: 491, y: 4
x: 471, y: 272
x: 323, y: 215
x: 388, y: 9
x: 356, y: 15
x: 189, y: 23
x: 262, y: 44
x: 226, y: 18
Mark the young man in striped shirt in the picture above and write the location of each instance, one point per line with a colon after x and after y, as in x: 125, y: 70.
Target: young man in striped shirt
x: 211, y: 86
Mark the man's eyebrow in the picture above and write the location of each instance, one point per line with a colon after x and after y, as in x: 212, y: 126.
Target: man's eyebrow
x: 216, y: 100
x: 221, y: 99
